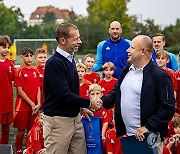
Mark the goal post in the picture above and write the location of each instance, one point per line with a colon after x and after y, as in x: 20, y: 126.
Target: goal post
x: 49, y: 44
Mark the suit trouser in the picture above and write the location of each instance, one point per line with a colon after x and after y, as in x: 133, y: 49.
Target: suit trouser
x: 64, y: 135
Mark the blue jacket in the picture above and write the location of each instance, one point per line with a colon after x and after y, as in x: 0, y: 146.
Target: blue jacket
x: 172, y: 64
x: 157, y: 100
x: 115, y: 52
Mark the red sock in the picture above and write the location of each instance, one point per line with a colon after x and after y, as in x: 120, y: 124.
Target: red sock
x: 4, y: 134
x: 19, y: 142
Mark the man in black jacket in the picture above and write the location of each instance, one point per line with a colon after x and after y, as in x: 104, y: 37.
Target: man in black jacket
x: 143, y: 96
x: 62, y: 127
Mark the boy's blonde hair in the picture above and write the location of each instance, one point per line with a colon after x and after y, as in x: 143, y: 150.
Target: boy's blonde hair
x: 95, y: 87
x: 39, y: 50
x: 108, y: 65
x: 163, y: 53
x: 176, y: 121
x: 89, y: 55
x: 80, y: 65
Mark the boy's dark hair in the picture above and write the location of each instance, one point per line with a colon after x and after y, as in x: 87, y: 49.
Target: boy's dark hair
x: 40, y: 50
x: 62, y: 31
x: 89, y: 55
x: 5, y: 40
x: 176, y: 121
x: 26, y: 51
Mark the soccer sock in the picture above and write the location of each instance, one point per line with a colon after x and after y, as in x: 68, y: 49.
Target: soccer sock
x: 4, y: 134
x: 19, y: 142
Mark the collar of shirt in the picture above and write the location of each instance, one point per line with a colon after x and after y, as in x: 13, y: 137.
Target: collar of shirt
x: 65, y: 54
x: 132, y: 67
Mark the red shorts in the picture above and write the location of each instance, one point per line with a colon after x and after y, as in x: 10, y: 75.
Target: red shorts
x: 24, y: 119
x: 6, y: 118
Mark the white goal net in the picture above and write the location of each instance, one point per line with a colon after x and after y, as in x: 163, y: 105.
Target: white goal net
x: 49, y: 44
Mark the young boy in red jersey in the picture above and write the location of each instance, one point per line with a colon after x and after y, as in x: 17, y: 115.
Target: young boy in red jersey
x: 41, y: 58
x: 162, y: 58
x: 28, y: 100
x: 6, y: 91
x: 112, y: 143
x: 95, y: 91
x: 84, y: 84
x: 34, y: 139
x: 108, y: 82
x: 172, y: 145
x: 89, y: 61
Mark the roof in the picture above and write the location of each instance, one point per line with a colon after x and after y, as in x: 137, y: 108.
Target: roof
x: 41, y: 11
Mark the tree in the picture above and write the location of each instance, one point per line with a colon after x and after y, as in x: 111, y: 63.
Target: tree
x: 49, y: 17
x: 105, y: 11
x: 10, y: 19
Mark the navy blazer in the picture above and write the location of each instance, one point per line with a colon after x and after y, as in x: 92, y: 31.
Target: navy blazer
x: 157, y: 102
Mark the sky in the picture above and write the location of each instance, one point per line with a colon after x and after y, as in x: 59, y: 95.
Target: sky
x: 164, y: 12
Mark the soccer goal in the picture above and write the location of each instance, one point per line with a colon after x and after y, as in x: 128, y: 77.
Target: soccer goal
x: 48, y: 44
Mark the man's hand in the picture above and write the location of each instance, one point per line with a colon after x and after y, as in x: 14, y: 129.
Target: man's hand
x: 87, y: 113
x: 96, y: 104
x: 139, y: 134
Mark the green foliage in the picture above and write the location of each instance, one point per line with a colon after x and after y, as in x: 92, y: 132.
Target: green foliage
x: 49, y: 17
x: 10, y: 19
x: 106, y: 11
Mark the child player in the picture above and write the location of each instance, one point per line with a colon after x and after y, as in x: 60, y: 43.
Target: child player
x: 107, y: 84
x: 6, y: 91
x: 34, y: 139
x: 41, y: 58
x: 173, y: 143
x: 84, y: 84
x: 28, y: 100
x: 112, y: 143
x: 162, y: 58
x: 95, y: 91
x: 93, y: 77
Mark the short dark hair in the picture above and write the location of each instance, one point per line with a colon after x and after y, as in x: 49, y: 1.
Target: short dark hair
x: 26, y: 51
x: 159, y: 34
x: 62, y: 31
x: 5, y: 40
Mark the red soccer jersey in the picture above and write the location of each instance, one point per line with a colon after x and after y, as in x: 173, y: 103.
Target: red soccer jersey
x: 6, y: 91
x: 102, y: 113
x: 112, y: 143
x: 107, y: 86
x: 34, y: 139
x: 173, y: 78
x: 27, y: 78
x: 84, y: 89
x: 93, y: 77
x: 41, y: 77
x: 178, y: 92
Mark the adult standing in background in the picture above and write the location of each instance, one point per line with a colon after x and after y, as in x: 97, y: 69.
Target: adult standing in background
x: 62, y: 127
x: 158, y: 44
x: 143, y: 95
x: 113, y: 50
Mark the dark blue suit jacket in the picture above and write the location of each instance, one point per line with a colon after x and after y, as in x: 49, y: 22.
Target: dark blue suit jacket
x: 157, y: 100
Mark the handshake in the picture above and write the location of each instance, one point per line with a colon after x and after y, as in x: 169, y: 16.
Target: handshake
x: 95, y: 104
